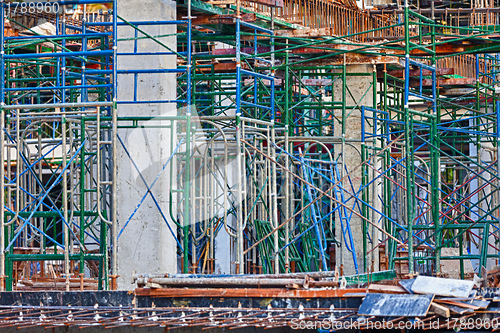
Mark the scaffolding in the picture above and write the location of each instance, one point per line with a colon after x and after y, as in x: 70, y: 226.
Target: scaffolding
x: 56, y: 188
x: 351, y: 140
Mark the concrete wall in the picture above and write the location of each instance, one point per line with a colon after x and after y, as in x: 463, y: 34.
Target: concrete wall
x: 146, y: 244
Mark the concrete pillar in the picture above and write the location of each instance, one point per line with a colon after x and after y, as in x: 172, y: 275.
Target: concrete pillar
x: 146, y: 245
x: 360, y: 93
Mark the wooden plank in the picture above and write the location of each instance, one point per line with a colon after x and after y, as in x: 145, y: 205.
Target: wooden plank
x: 355, y: 59
x: 442, y: 287
x: 456, y: 299
x: 315, y: 82
x: 222, y: 19
x: 385, y: 289
x: 440, y: 309
x: 406, y: 284
x: 463, y: 81
x: 457, y: 92
x: 222, y: 67
x: 249, y: 50
x: 456, y: 303
x: 489, y: 310
x: 416, y: 72
x: 393, y: 305
x: 320, y: 32
x: 221, y: 2
x: 458, y: 310
x: 482, y: 304
x: 271, y: 3
x: 277, y: 82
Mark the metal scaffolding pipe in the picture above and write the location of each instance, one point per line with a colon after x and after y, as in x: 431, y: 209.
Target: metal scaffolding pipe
x: 229, y: 282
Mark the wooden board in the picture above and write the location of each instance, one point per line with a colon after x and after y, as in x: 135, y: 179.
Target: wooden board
x: 480, y: 303
x: 406, y: 284
x: 394, y: 305
x: 466, y: 303
x: 458, y: 310
x: 460, y: 304
x: 489, y: 310
x: 440, y: 309
x: 386, y: 289
x: 442, y: 287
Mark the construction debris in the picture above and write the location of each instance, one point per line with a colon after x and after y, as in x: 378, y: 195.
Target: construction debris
x: 423, y: 299
x: 441, y: 287
x: 387, y: 305
x: 360, y: 306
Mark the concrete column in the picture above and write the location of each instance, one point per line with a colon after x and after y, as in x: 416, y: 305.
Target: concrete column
x: 146, y: 245
x: 361, y: 93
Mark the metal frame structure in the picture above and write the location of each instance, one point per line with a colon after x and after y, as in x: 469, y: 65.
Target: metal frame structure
x: 437, y: 165
x: 266, y: 148
x: 57, y: 198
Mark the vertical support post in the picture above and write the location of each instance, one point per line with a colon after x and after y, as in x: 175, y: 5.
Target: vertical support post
x: 364, y: 206
x: 497, y: 112
x: 287, y: 203
x: 435, y: 177
x: 274, y: 198
x: 484, y: 248
x: 288, y: 121
x: 477, y: 67
x: 82, y: 199
x: 288, y: 116
x: 2, y: 150
x: 84, y: 95
x: 374, y: 235
x: 273, y: 152
x: 65, y: 203
x: 187, y: 183
x: 342, y: 161
x: 408, y: 138
x: 434, y: 151
x: 114, y: 199
x: 239, y: 218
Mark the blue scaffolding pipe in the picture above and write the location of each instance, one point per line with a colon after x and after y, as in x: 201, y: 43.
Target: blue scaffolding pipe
x: 259, y: 75
x: 56, y: 36
x: 299, y: 236
x: 257, y: 105
x: 61, y: 2
x: 356, y: 195
x: 149, y: 188
x: 150, y: 71
x: 63, y: 87
x: 345, y: 216
x: 315, y: 220
x: 138, y: 23
x: 29, y: 167
x: 59, y: 54
x: 152, y: 102
x: 257, y: 28
x: 56, y: 181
